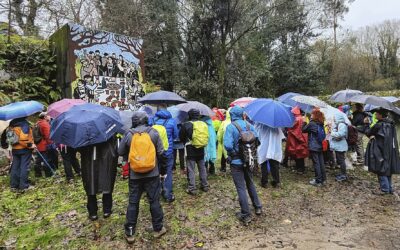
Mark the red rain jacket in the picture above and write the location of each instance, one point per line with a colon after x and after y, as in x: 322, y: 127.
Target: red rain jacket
x: 297, y: 141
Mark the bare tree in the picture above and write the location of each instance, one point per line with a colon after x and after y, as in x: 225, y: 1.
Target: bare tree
x: 131, y: 45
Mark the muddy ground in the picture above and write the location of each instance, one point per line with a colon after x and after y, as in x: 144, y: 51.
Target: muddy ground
x: 297, y: 216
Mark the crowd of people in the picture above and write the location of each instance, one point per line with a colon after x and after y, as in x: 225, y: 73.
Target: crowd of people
x: 151, y: 148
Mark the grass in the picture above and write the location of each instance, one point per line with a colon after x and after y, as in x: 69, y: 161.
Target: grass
x: 54, y: 215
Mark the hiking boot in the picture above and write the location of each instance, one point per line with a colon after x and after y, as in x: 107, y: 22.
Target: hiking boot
x: 258, y: 211
x: 380, y: 192
x: 159, y: 233
x: 264, y: 185
x: 93, y: 217
x: 244, y: 219
x: 314, y: 183
x: 205, y: 189
x: 107, y: 215
x: 14, y: 190
x: 172, y: 199
x: 341, y: 177
x: 191, y: 192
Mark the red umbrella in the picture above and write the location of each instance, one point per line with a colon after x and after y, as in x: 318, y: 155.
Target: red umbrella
x: 218, y: 114
x: 62, y: 106
x: 242, y: 102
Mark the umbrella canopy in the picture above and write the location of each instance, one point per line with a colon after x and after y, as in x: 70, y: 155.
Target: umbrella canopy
x: 126, y: 119
x: 179, y: 115
x: 310, y: 100
x: 377, y: 101
x: 204, y: 109
x: 150, y: 111
x: 242, y: 102
x: 85, y: 125
x: 270, y: 112
x: 20, y: 109
x: 162, y: 97
x: 330, y: 112
x: 62, y: 106
x: 287, y: 99
x: 344, y: 96
x: 392, y: 99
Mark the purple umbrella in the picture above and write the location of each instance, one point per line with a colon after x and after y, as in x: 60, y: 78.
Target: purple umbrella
x: 62, y: 106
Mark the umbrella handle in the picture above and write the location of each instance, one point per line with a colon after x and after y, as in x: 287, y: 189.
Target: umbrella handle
x: 94, y: 153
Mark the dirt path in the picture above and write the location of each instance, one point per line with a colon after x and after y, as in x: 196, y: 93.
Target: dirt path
x: 337, y: 216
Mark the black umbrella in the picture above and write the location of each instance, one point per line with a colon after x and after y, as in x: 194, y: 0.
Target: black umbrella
x: 376, y: 101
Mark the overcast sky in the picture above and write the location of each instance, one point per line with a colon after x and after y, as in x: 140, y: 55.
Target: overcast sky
x: 367, y: 12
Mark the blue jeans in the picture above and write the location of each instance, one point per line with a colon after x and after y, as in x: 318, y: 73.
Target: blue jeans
x: 242, y: 177
x: 152, y: 187
x: 20, y: 168
x: 319, y: 166
x: 168, y: 190
x: 385, y: 183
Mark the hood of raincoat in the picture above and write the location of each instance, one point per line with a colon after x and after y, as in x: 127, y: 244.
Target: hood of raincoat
x: 139, y: 118
x: 236, y: 113
x: 22, y: 123
x: 339, y: 118
x: 163, y: 114
x: 296, y: 111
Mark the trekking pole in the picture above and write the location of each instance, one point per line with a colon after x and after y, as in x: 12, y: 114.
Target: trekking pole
x: 46, y: 163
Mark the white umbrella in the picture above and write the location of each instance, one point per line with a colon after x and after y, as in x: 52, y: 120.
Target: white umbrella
x: 330, y: 112
x: 310, y: 100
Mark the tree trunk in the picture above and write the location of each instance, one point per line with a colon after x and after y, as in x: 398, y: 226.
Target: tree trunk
x: 221, y: 76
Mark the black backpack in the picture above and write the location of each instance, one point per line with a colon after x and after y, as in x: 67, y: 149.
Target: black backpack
x: 352, y: 135
x: 247, y: 145
x: 37, y: 134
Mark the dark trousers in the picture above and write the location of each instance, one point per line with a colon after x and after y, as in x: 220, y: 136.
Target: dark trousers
x: 319, y: 166
x: 341, y: 161
x: 274, y: 169
x: 152, y: 187
x: 181, y: 153
x: 210, y: 166
x: 300, y: 166
x: 70, y: 161
x: 168, y: 185
x: 223, y: 163
x: 243, y: 180
x: 53, y: 155
x: 92, y: 204
x: 41, y: 165
x: 20, y: 169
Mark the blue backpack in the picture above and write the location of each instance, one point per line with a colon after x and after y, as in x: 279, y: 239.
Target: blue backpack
x: 321, y: 134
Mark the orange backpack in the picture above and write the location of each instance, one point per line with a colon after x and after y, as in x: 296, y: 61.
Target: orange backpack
x: 142, y: 153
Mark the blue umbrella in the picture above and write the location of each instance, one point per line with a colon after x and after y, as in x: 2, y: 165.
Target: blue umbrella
x: 392, y: 99
x: 85, y: 125
x: 150, y: 111
x: 344, y: 96
x: 20, y: 109
x: 179, y: 115
x: 287, y: 99
x: 162, y: 97
x: 271, y: 113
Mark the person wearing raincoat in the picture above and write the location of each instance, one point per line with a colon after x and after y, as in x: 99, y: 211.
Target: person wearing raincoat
x: 382, y: 154
x: 98, y: 170
x: 338, y: 144
x: 269, y: 153
x: 211, y: 149
x: 220, y: 137
x: 297, y: 141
